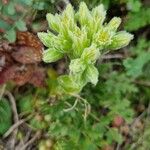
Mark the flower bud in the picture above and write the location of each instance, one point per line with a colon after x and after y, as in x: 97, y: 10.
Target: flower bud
x: 114, y: 23
x: 121, y: 39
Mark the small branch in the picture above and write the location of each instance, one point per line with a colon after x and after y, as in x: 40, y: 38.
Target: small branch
x: 12, y: 128
x: 2, y: 91
x: 114, y: 56
x: 144, y: 83
x: 35, y: 137
x: 16, y: 117
x: 13, y: 105
x: 87, y: 105
x: 71, y: 108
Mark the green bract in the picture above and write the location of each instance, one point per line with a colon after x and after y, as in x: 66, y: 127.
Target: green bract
x: 83, y: 37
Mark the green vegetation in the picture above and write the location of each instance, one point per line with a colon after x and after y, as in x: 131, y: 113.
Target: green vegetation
x: 87, y: 87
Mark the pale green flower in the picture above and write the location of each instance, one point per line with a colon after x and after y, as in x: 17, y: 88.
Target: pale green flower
x: 121, y: 39
x: 83, y: 36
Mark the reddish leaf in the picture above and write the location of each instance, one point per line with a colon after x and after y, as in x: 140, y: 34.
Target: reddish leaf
x: 27, y: 55
x: 7, y: 74
x: 38, y: 77
x: 5, y: 60
x: 22, y: 75
x: 29, y: 39
x: 28, y: 48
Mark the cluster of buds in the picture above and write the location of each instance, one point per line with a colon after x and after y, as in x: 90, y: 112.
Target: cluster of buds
x: 83, y: 37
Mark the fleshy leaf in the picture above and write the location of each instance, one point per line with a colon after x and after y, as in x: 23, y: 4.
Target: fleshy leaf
x: 46, y: 38
x: 114, y: 23
x: 68, y: 84
x: 92, y: 74
x: 90, y: 54
x: 53, y: 21
x: 84, y: 15
x: 99, y: 14
x: 51, y: 55
x: 121, y: 39
x: 103, y: 37
x: 77, y: 66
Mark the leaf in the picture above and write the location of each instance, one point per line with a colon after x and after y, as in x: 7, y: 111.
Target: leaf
x: 38, y: 77
x: 29, y: 39
x: 21, y: 75
x: 28, y: 48
x: 84, y: 15
x: 134, y: 5
x: 134, y: 66
x: 21, y: 25
x: 138, y: 20
x: 11, y: 8
x: 46, y: 38
x: 92, y: 74
x: 27, y: 55
x: 113, y: 135
x: 26, y: 104
x: 51, y: 55
x: 10, y: 35
x: 90, y: 54
x: 99, y: 14
x: 114, y: 23
x: 53, y: 21
x: 68, y: 84
x: 5, y: 117
x: 39, y: 5
x: 121, y: 39
x: 77, y: 66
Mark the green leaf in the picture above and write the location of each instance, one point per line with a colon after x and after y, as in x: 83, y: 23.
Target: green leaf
x: 77, y: 66
x: 21, y: 25
x: 53, y: 21
x: 114, y: 135
x: 90, y: 54
x: 10, y: 35
x: 11, y: 8
x: 92, y: 74
x: 37, y: 124
x: 51, y: 55
x: 84, y: 15
x: 48, y: 39
x: 26, y: 104
x: 121, y: 39
x: 134, y: 5
x: 138, y: 20
x: 5, y: 117
x: 68, y: 84
x: 99, y: 14
x: 114, y: 23
x: 39, y: 5
x: 134, y: 66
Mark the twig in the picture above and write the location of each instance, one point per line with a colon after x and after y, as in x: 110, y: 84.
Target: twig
x: 114, y: 56
x: 16, y: 117
x: 144, y: 83
x: 87, y: 105
x: 23, y: 141
x: 35, y: 137
x: 12, y: 128
x: 118, y: 147
x: 13, y: 104
x: 2, y: 91
x: 71, y: 108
